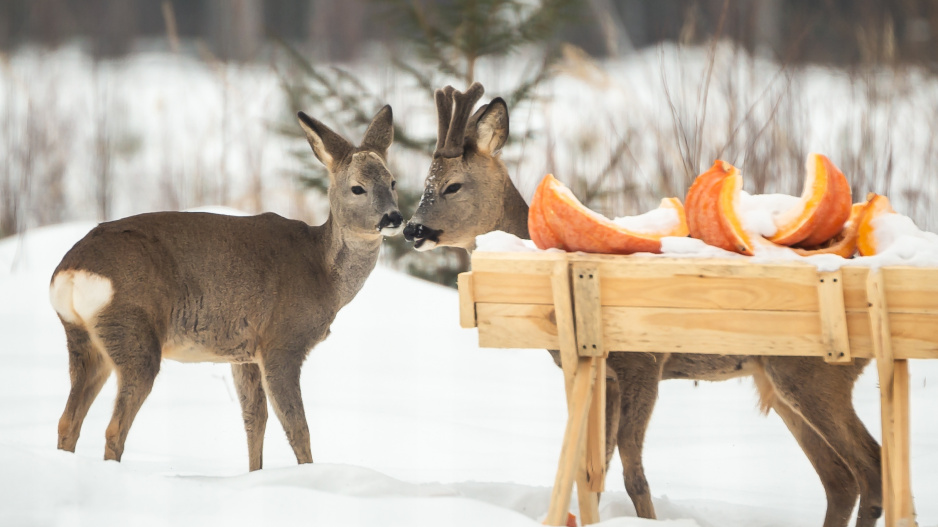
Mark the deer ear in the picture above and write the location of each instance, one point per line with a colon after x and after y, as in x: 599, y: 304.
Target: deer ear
x: 491, y: 126
x: 329, y: 147
x: 380, y: 132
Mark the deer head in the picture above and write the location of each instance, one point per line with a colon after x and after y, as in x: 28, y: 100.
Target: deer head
x: 468, y: 191
x: 362, y: 195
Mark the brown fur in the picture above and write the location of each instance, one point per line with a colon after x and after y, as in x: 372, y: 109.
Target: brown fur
x: 813, y: 398
x: 486, y: 200
x: 258, y: 292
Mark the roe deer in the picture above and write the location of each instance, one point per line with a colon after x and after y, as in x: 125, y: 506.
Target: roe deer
x: 258, y: 292
x: 468, y: 193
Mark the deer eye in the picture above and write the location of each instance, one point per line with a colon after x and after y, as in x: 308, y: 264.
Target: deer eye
x: 393, y: 184
x: 357, y: 190
x: 452, y: 189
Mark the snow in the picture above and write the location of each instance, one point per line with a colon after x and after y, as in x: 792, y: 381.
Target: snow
x: 411, y: 424
x: 758, y: 212
x: 656, y: 220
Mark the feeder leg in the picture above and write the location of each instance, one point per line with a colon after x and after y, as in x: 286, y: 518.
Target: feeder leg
x: 573, y: 439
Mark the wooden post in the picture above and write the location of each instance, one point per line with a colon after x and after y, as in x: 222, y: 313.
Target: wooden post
x: 894, y: 405
x: 596, y: 433
x: 563, y: 313
x: 567, y: 336
x: 573, y: 438
x: 833, y: 317
x: 467, y: 303
x: 589, y: 342
x: 902, y: 486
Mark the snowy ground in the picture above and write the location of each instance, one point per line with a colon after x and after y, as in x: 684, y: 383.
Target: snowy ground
x: 412, y: 424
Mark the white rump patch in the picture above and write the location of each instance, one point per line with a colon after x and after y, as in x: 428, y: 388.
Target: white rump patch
x: 78, y: 296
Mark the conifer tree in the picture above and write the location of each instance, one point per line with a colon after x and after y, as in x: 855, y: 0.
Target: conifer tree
x: 437, y: 43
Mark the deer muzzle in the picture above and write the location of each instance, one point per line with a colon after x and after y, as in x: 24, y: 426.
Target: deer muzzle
x: 390, y: 224
x: 424, y: 237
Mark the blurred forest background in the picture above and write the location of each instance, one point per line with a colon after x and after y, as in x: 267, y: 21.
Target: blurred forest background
x: 115, y: 107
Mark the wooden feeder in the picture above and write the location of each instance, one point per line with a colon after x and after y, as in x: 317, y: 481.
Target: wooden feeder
x: 588, y: 305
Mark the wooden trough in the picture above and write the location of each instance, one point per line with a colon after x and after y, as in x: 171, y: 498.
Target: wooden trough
x: 588, y: 305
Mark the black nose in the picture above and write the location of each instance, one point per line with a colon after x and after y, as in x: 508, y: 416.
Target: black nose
x: 419, y: 231
x: 413, y: 230
x: 392, y: 220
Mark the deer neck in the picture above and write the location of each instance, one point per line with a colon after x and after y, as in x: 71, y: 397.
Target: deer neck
x: 348, y: 258
x: 514, y: 217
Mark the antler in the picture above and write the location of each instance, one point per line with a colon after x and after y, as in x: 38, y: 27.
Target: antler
x: 444, y: 111
x: 461, y: 104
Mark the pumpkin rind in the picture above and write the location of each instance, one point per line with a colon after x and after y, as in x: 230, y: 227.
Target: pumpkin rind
x: 558, y: 219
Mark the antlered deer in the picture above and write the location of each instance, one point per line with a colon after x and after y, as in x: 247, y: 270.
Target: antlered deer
x: 258, y: 292
x: 468, y: 193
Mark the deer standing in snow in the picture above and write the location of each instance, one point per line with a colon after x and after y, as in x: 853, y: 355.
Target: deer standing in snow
x: 468, y: 192
x: 258, y: 292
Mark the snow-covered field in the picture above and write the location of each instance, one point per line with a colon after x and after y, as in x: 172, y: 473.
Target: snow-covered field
x: 411, y: 423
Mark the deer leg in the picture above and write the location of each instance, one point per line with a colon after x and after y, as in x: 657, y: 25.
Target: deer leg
x: 823, y: 395
x: 135, y: 350
x: 88, y: 370
x: 248, y: 384
x: 839, y: 484
x: 613, y: 413
x: 281, y: 376
x: 638, y: 375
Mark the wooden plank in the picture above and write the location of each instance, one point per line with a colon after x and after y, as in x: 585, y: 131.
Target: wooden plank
x: 642, y: 281
x: 520, y: 326
x: 834, y: 338
x: 885, y: 365
x: 900, y: 455
x: 713, y: 331
x: 574, y: 435
x: 467, y: 306
x: 562, y: 313
x: 914, y: 335
x: 589, y: 504
x: 657, y: 266
x: 909, y: 289
x: 757, y: 332
x: 517, y: 262
x: 513, y: 288
x: 596, y: 434
x: 587, y: 310
x: 710, y: 292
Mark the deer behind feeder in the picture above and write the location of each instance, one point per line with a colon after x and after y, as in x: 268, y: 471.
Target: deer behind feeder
x: 468, y: 193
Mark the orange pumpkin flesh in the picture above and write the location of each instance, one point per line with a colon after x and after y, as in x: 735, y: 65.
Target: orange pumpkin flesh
x: 866, y: 241
x: 824, y: 207
x: 845, y: 243
x: 558, y: 219
x: 571, y: 520
x: 711, y: 208
x: 540, y: 232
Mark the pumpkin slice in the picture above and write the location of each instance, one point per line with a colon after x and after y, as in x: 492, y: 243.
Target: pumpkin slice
x: 845, y: 243
x: 824, y: 207
x: 712, y: 209
x: 541, y: 234
x: 558, y: 219
x: 866, y: 242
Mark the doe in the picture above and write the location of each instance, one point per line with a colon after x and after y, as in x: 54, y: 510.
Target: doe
x: 258, y: 292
